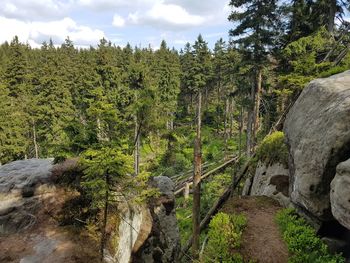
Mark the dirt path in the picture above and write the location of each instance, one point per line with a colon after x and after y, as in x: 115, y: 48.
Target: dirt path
x: 262, y: 241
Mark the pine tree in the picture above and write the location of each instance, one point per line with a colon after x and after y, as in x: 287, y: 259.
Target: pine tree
x: 13, y: 142
x: 200, y: 81
x: 258, y: 17
x: 167, y: 73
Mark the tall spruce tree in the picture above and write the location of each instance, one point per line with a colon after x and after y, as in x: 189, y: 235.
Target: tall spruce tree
x: 255, y: 32
x: 200, y: 78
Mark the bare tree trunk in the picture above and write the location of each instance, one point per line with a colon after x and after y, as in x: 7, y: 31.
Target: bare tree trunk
x: 171, y: 122
x: 341, y: 55
x: 231, y: 117
x: 250, y: 124
x: 331, y: 16
x: 99, y: 132
x: 240, y: 131
x: 196, y: 181
x: 187, y: 191
x: 257, y: 105
x: 227, y: 102
x: 105, y: 218
x: 34, y: 141
x: 137, y: 147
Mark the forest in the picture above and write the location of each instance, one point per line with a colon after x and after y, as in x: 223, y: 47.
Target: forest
x: 138, y: 112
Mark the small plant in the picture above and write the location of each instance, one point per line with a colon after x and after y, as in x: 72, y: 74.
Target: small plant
x: 303, y: 244
x: 224, y: 237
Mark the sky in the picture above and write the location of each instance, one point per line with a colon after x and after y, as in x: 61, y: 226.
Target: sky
x: 139, y: 22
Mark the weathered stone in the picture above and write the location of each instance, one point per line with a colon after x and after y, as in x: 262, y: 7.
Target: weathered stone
x: 29, y: 229
x: 163, y: 244
x: 18, y: 200
x: 246, y: 187
x: 340, y: 194
x: 24, y: 175
x: 134, y: 229
x: 317, y: 130
x: 271, y: 181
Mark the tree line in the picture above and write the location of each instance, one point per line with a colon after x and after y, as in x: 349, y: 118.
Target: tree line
x: 61, y: 101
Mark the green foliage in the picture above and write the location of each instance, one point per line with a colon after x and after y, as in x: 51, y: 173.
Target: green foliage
x: 303, y: 243
x: 103, y: 169
x: 273, y: 149
x: 303, y: 58
x: 224, y: 237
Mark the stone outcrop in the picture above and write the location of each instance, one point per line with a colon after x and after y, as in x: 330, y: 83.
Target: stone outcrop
x: 29, y: 203
x: 317, y: 130
x: 271, y: 181
x: 163, y: 243
x: 340, y: 194
x: 32, y: 203
x: 23, y: 186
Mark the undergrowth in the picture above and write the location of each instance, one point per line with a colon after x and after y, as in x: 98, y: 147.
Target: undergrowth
x: 304, y: 245
x: 224, y: 238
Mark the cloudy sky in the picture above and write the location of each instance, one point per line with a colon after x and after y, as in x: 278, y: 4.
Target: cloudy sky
x: 140, y: 22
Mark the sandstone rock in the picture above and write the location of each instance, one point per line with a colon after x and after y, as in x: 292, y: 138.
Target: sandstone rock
x: 271, y: 181
x: 21, y: 191
x: 163, y: 244
x: 134, y: 229
x: 340, y: 194
x: 29, y: 230
x: 317, y: 130
x: 23, y: 176
x: 246, y: 187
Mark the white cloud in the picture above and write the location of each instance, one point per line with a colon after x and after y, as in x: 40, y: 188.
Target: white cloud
x: 166, y: 16
x: 173, y: 15
x: 38, y: 9
x: 37, y: 32
x: 107, y: 5
x: 118, y: 21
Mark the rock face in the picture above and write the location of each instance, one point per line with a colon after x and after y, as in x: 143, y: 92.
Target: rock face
x: 23, y: 185
x: 271, y: 181
x: 317, y: 130
x: 340, y: 194
x: 29, y: 201
x: 30, y: 229
x: 134, y: 229
x: 163, y: 243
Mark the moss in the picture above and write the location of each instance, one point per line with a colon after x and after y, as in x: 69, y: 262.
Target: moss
x: 273, y: 149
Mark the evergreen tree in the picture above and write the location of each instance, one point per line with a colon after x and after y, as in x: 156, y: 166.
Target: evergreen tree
x: 257, y: 17
x: 200, y: 80
x: 167, y: 74
x: 13, y: 142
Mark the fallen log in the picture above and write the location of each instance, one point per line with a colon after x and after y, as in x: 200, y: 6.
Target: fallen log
x: 218, y: 204
x: 180, y: 190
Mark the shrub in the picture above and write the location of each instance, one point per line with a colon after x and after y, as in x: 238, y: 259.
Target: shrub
x: 273, y: 149
x: 224, y: 236
x: 303, y: 244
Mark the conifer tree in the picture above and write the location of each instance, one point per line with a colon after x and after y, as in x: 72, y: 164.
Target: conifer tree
x: 200, y: 82
x: 167, y: 74
x: 258, y: 18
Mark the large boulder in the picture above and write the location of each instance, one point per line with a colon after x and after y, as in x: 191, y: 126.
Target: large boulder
x: 340, y: 194
x: 317, y: 130
x: 272, y: 181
